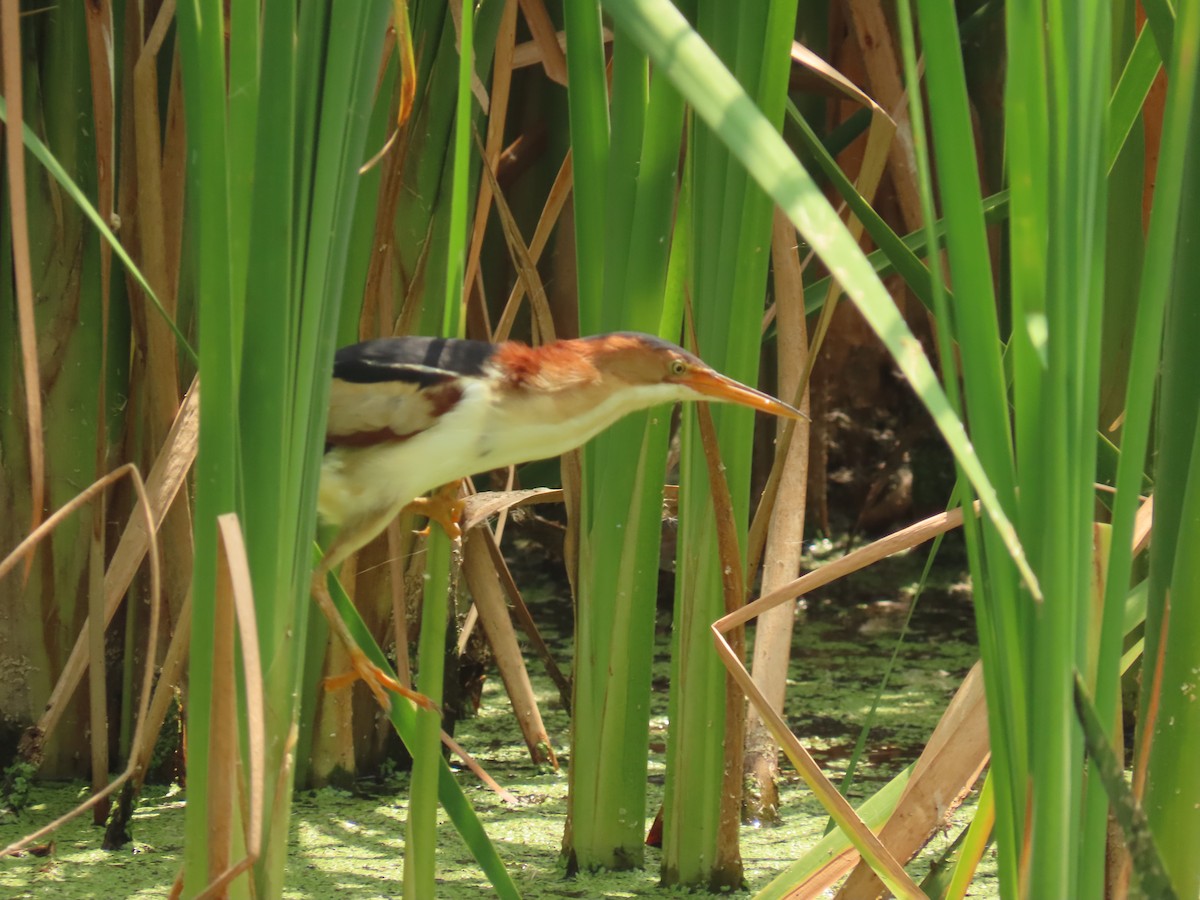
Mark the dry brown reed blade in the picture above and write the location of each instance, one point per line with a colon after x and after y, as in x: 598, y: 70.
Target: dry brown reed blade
x: 485, y: 588
x: 235, y: 599
x: 531, y: 53
x: 332, y: 754
x: 556, y: 200
x: 481, y: 507
x: 949, y: 765
x: 377, y: 315
x: 400, y: 34
x: 167, y: 475
x: 10, y: 36
x: 399, y: 544
x: 506, y: 797
x: 783, y: 541
x: 925, y: 798
x: 478, y: 508
x: 521, y: 611
x: 873, y: 33
x: 841, y: 811
x: 98, y: 20
x: 1141, y: 762
x: 728, y: 853
x: 794, y: 353
x: 24, y: 551
x: 154, y: 239
x: 1143, y: 525
x: 880, y: 136
x: 157, y: 236
x: 545, y: 40
x: 506, y: 38
x: 522, y: 258
x: 170, y: 678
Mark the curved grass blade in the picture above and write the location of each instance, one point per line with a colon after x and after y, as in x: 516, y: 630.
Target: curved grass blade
x: 1127, y: 99
x: 995, y: 209
x: 404, y: 718
x: 43, y: 155
x: 899, y: 254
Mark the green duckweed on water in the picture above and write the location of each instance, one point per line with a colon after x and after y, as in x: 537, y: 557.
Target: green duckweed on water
x: 350, y: 845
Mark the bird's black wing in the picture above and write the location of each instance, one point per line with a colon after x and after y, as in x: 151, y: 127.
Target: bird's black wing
x: 390, y: 389
x: 424, y: 361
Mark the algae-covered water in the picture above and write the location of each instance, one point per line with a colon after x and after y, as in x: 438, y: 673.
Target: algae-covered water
x: 351, y: 845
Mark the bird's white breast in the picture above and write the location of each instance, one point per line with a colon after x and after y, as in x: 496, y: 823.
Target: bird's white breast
x: 486, y: 429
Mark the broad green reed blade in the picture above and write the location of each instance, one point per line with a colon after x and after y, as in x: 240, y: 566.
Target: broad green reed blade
x: 429, y: 239
x: 1057, y: 185
x: 262, y: 434
x: 421, y: 234
x: 1126, y: 157
x: 420, y: 831
x: 627, y: 123
x: 453, y: 321
x: 1057, y: 461
x: 717, y: 98
x: 993, y: 619
x: 587, y: 104
x: 1145, y: 860
x: 1058, y: 164
x: 201, y: 51
x: 338, y: 146
x: 363, y: 239
x: 1160, y: 17
x: 731, y: 226
x: 243, y: 108
x: 625, y: 183
x: 270, y: 510
x: 1171, y: 278
x: 267, y: 370
x: 999, y: 613
x: 420, y: 860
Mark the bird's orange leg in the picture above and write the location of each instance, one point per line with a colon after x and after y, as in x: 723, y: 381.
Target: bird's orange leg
x: 443, y: 506
x: 375, y: 678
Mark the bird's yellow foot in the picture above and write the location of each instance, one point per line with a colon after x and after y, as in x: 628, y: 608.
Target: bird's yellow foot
x: 443, y: 506
x: 378, y: 681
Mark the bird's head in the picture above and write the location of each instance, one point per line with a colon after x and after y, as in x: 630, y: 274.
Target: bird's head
x: 644, y: 360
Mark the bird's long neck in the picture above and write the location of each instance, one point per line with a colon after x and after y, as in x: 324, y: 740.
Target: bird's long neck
x: 535, y: 425
x: 557, y: 397
x: 559, y: 366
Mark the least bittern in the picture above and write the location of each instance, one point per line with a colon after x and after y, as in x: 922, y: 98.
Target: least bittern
x: 410, y: 414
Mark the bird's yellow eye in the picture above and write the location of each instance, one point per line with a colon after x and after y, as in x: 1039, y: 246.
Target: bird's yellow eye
x: 678, y: 368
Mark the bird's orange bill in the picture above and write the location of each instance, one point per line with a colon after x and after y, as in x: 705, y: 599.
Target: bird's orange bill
x: 715, y: 385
